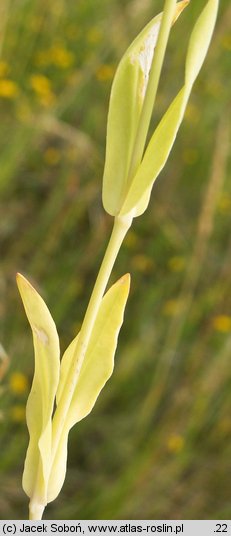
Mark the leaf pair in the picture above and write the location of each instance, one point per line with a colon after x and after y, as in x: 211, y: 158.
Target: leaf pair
x: 122, y: 193
x: 45, y: 470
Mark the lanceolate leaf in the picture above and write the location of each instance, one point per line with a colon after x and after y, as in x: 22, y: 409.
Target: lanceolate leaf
x: 200, y: 41
x: 41, y: 399
x: 160, y: 145
x: 126, y: 102
x: 155, y: 157
x: 96, y: 370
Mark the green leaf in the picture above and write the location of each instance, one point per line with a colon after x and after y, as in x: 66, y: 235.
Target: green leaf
x: 126, y: 102
x: 200, y: 41
x: 164, y: 136
x: 155, y: 157
x: 42, y: 396
x: 96, y: 370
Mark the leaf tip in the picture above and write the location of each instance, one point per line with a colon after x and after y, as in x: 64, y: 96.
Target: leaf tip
x: 18, y: 277
x: 22, y: 282
x: 125, y: 280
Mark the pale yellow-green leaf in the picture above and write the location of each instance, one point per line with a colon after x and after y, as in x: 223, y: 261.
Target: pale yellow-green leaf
x: 161, y: 143
x: 200, y: 41
x: 59, y: 466
x: 126, y: 102
x: 95, y: 371
x: 42, y: 396
x: 155, y: 157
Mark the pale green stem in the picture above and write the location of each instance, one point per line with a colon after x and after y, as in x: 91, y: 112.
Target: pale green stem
x: 35, y: 511
x: 154, y: 77
x: 121, y: 226
x: 38, y: 500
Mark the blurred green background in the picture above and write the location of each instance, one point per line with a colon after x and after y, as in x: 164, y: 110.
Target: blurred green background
x: 157, y: 444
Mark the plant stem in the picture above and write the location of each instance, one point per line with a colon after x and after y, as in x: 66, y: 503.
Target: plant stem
x: 35, y: 511
x: 154, y: 77
x: 120, y: 228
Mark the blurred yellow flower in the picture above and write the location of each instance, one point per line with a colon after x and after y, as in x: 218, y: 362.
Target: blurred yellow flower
x: 52, y: 156
x: 105, y: 72
x: 8, y: 88
x: 18, y: 383
x: 17, y: 413
x: 176, y: 263
x: 175, y: 443
x: 42, y: 87
x: 61, y: 57
x: 222, y: 323
x: 40, y: 83
x: 56, y: 55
